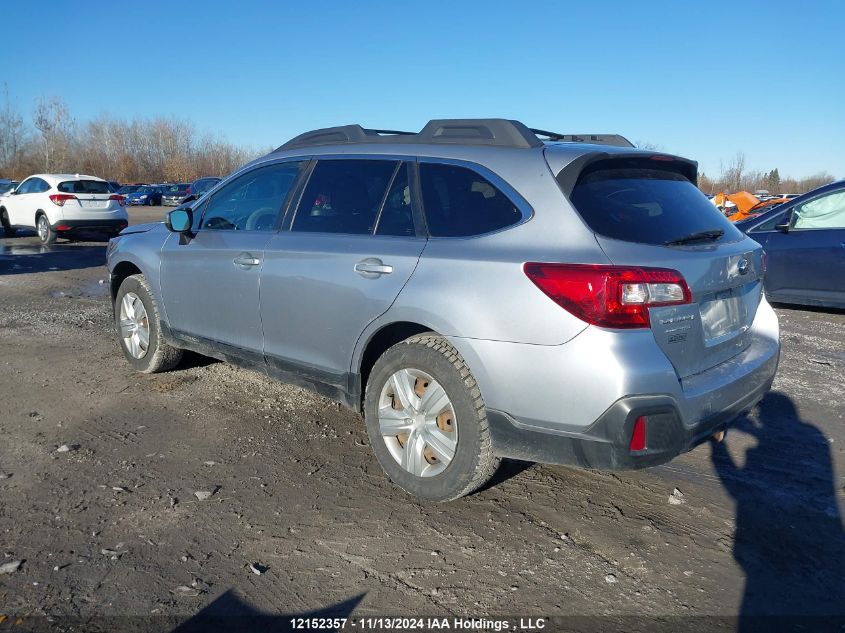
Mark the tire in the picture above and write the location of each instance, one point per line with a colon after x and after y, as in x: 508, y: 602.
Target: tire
x: 158, y: 355
x: 45, y: 232
x: 417, y: 361
x: 8, y: 231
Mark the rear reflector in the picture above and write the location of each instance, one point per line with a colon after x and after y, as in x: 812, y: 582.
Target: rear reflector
x: 62, y: 227
x: 638, y: 440
x: 59, y: 199
x: 609, y: 296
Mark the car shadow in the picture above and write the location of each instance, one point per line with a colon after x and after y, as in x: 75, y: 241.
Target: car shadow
x: 803, y: 308
x: 789, y: 536
x: 508, y: 468
x: 17, y: 259
x: 229, y: 613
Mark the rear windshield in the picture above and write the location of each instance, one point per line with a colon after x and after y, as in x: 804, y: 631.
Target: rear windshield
x: 84, y: 186
x: 640, y: 203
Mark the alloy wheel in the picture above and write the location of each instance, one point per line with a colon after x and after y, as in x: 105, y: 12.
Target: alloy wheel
x: 134, y: 325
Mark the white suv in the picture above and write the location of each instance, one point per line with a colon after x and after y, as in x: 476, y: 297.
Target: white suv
x: 61, y: 204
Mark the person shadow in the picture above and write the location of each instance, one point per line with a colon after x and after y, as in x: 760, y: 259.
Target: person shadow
x: 789, y: 536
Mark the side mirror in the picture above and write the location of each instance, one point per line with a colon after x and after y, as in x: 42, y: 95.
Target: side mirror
x: 783, y: 228
x: 180, y: 220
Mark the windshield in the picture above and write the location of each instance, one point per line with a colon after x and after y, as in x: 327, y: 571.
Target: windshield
x: 201, y: 186
x: 635, y: 201
x: 145, y: 189
x: 181, y: 189
x: 84, y: 186
x: 7, y: 186
x: 128, y: 189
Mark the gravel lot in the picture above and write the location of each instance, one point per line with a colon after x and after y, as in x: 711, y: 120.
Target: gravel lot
x: 99, y: 467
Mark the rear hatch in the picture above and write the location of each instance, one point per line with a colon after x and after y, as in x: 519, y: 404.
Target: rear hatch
x: 646, y: 211
x: 90, y: 195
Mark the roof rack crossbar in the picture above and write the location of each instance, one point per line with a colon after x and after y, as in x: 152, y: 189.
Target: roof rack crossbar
x: 491, y: 132
x: 594, y: 139
x: 398, y: 132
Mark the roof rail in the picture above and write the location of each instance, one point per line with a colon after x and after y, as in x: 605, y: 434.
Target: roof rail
x: 491, y: 132
x: 594, y: 139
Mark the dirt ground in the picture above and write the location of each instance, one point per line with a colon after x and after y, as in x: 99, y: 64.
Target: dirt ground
x: 99, y: 467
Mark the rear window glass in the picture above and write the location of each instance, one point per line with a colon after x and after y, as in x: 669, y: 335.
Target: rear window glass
x: 84, y: 186
x: 643, y: 204
x: 460, y: 202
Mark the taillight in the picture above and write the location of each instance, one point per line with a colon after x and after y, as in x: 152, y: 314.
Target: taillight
x: 59, y: 199
x: 638, y: 437
x: 120, y: 199
x: 609, y: 296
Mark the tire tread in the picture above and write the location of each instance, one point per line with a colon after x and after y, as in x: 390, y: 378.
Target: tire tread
x: 487, y: 462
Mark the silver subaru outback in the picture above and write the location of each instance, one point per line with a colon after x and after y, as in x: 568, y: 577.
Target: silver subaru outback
x: 478, y: 290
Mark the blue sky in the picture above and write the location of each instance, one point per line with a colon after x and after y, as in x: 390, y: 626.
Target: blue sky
x: 704, y: 79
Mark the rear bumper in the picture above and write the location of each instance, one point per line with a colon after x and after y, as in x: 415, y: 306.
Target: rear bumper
x: 604, y: 445
x: 107, y: 224
x: 577, y: 403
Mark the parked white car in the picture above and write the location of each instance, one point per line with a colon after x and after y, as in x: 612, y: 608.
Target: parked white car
x: 61, y: 204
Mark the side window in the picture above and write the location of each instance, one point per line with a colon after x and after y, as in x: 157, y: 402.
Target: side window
x: 26, y: 186
x: 825, y: 212
x: 460, y: 202
x: 39, y: 186
x: 770, y: 224
x: 343, y: 196
x: 397, y: 215
x: 251, y: 202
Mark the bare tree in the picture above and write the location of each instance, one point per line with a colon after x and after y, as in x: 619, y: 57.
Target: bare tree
x: 733, y: 174
x: 12, y: 133
x: 52, y: 119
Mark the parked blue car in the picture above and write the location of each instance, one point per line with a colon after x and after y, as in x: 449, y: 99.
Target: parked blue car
x: 805, y: 243
x: 147, y: 195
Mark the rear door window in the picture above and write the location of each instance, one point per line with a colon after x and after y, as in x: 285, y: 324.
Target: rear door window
x: 636, y: 200
x: 344, y: 196
x: 460, y: 202
x: 397, y: 214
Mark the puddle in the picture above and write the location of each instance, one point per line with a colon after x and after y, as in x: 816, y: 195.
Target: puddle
x: 28, y: 249
x: 36, y: 258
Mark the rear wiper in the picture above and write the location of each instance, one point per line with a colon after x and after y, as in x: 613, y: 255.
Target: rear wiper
x: 702, y: 236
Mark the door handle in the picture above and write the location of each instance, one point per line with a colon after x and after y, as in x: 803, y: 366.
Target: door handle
x: 372, y: 267
x: 246, y: 260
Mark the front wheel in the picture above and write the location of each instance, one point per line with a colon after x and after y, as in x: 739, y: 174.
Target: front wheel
x: 139, y: 328
x: 426, y: 420
x: 45, y: 232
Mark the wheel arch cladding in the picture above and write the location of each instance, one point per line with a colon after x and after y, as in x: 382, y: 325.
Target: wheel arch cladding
x: 379, y: 342
x: 121, y: 271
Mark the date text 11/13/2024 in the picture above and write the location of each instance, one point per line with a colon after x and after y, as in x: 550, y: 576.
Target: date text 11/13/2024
x: 419, y: 624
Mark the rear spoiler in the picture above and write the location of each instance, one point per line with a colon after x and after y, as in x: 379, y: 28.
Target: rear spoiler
x: 567, y: 174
